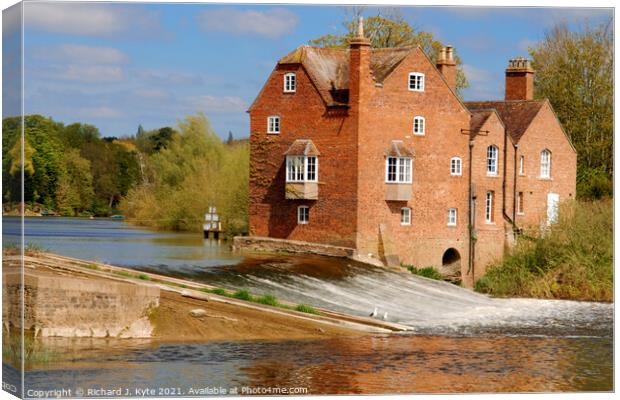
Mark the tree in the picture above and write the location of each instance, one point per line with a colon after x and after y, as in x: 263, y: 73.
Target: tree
x: 574, y: 70
x: 75, y: 185
x: 389, y: 29
x: 230, y: 138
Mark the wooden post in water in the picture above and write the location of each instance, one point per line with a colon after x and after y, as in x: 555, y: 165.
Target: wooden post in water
x: 212, y: 226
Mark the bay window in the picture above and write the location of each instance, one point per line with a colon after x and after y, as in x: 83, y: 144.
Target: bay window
x: 301, y: 169
x: 398, y: 170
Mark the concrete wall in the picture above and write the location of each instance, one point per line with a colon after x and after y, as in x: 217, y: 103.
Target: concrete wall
x: 74, y: 307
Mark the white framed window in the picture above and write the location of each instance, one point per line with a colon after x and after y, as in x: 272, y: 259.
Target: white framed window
x: 419, y: 125
x: 273, y: 124
x: 290, y: 82
x: 522, y: 165
x: 488, y: 210
x: 451, y: 216
x: 545, y: 164
x: 520, y: 203
x: 405, y: 216
x: 302, y: 169
x: 303, y: 215
x: 416, y: 81
x: 456, y: 168
x: 398, y: 170
x: 492, y: 160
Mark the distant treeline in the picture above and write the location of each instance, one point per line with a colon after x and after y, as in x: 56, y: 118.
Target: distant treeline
x: 69, y: 170
x: 164, y: 178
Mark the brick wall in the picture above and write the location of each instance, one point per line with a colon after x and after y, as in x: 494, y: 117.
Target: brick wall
x: 388, y: 115
x: 490, y: 241
x: 303, y: 115
x: 545, y: 133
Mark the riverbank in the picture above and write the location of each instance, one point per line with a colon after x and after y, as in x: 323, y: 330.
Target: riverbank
x: 570, y: 260
x: 184, y: 310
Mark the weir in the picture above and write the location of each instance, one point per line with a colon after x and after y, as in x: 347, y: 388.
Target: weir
x: 429, y: 306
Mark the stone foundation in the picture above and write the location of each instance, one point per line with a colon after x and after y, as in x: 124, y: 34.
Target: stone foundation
x: 74, y: 307
x: 265, y: 244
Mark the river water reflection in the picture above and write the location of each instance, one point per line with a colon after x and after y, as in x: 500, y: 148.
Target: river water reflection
x: 464, y: 342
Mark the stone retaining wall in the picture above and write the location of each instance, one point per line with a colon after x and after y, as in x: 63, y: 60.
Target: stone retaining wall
x: 265, y: 244
x: 74, y: 307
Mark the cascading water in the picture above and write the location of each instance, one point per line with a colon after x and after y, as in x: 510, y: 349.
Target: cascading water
x: 426, y: 305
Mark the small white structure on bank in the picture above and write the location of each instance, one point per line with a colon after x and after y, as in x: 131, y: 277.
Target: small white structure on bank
x: 212, y: 226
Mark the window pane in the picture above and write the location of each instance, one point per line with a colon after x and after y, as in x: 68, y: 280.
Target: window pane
x: 311, y: 176
x: 391, y: 173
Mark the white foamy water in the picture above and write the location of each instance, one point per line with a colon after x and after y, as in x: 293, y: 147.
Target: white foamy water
x: 435, y: 307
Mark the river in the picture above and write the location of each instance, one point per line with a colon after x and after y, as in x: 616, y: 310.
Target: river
x: 462, y: 341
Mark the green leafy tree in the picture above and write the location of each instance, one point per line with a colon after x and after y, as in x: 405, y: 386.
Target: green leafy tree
x: 230, y: 138
x: 389, y: 29
x: 75, y: 185
x: 574, y: 70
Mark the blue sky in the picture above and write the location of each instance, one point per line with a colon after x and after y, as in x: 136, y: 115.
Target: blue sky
x: 117, y: 65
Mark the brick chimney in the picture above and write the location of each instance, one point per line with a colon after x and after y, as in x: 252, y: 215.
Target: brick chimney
x: 360, y: 79
x: 519, y: 79
x: 447, y: 66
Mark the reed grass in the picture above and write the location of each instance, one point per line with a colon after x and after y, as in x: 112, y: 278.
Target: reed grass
x: 572, y: 259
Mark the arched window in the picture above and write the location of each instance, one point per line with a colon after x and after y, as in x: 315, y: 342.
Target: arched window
x: 492, y: 160
x: 419, y: 125
x: 545, y: 164
x: 290, y: 82
x: 456, y: 166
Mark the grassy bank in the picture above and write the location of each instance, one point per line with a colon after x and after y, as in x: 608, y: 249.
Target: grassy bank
x: 573, y: 259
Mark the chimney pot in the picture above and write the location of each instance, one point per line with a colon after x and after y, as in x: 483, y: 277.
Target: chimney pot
x: 450, y: 53
x: 360, y: 27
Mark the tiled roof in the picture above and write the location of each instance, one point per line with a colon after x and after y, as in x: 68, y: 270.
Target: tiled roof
x: 302, y: 147
x: 517, y: 115
x: 478, y: 118
x: 329, y: 68
x: 398, y: 149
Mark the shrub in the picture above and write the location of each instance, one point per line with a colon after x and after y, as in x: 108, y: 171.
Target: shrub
x: 572, y: 259
x: 144, y: 277
x: 428, y: 272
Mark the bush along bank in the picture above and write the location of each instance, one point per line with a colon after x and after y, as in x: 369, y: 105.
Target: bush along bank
x: 571, y: 259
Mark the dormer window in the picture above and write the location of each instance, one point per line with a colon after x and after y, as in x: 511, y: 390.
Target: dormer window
x: 273, y: 124
x: 290, y: 82
x: 416, y: 81
x: 419, y: 125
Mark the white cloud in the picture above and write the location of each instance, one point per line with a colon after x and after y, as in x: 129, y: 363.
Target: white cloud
x: 167, y: 77
x: 91, y: 73
x: 272, y: 23
x: 213, y: 104
x: 80, y: 54
x: 93, y: 19
x: 483, y: 84
x: 477, y: 75
x: 152, y: 94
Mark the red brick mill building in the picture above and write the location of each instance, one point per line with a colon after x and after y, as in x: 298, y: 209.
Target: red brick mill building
x: 372, y: 149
